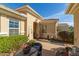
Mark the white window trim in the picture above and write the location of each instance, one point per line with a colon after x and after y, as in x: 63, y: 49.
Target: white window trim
x: 13, y: 28
x: 13, y: 19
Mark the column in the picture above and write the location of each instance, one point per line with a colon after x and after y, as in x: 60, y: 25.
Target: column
x: 56, y: 27
x: 76, y: 30
x: 37, y: 30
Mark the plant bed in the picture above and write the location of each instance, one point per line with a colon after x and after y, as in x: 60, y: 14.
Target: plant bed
x: 9, y: 45
x: 29, y: 49
x: 25, y: 48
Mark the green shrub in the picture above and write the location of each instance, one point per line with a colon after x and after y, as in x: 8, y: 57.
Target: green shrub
x: 64, y: 35
x: 31, y: 42
x: 67, y: 36
x: 11, y: 43
x: 71, y: 35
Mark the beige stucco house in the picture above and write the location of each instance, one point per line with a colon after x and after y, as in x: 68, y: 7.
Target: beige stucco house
x: 73, y: 8
x: 25, y: 21
x: 33, y: 19
x: 9, y: 21
x: 47, y: 28
x: 62, y: 27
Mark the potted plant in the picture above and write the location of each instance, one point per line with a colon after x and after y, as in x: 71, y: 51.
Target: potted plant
x: 26, y: 48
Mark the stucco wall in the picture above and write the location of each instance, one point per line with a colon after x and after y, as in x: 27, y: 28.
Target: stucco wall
x: 50, y: 29
x: 0, y: 23
x: 62, y: 27
x: 22, y: 28
x: 30, y: 20
x: 4, y: 25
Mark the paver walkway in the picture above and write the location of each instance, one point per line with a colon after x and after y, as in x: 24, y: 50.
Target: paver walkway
x: 49, y: 48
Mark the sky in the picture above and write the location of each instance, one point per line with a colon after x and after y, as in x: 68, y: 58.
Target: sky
x: 48, y: 10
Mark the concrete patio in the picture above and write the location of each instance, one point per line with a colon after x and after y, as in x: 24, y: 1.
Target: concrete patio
x: 49, y: 48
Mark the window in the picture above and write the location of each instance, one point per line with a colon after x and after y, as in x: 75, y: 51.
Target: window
x: 13, y: 24
x: 13, y: 31
x: 13, y: 27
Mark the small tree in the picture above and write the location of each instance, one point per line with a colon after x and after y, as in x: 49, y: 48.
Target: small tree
x: 67, y: 36
x: 71, y: 29
x: 71, y: 36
